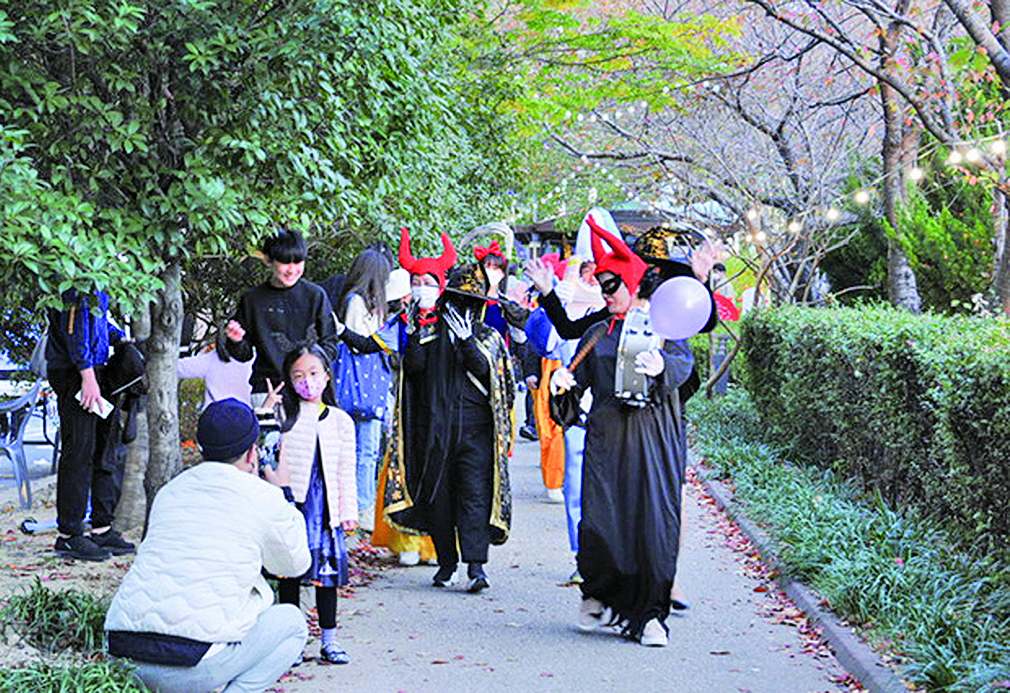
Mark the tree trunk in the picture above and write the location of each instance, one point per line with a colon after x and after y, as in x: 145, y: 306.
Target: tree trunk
x: 902, y: 289
x: 165, y: 459
x: 1001, y: 275
x: 132, y: 507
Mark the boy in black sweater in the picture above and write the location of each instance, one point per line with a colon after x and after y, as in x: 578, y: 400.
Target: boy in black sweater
x: 280, y: 314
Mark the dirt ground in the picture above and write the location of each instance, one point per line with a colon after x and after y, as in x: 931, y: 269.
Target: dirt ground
x: 27, y: 557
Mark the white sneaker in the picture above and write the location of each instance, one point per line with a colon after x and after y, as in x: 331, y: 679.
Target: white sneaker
x: 592, y: 614
x: 654, y: 634
x: 410, y: 557
x: 555, y: 495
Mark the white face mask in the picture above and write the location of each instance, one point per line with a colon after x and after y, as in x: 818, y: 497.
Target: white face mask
x: 425, y: 296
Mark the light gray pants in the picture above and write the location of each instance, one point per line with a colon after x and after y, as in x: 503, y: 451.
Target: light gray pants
x: 249, y: 666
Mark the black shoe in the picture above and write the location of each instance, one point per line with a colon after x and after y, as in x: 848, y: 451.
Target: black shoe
x: 334, y: 654
x: 114, y: 542
x: 81, y: 548
x: 528, y: 432
x: 478, y: 578
x: 444, y: 576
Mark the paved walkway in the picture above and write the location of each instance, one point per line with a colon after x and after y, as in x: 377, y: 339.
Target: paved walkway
x: 404, y: 635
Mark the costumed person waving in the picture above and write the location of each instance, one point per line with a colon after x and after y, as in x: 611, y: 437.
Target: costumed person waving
x: 448, y: 469
x: 631, y: 477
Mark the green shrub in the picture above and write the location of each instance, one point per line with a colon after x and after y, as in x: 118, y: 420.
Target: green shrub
x: 54, y: 621
x: 949, y: 616
x: 914, y: 408
x: 93, y: 677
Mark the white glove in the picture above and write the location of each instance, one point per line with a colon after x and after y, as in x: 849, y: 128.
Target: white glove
x: 650, y: 363
x: 564, y: 291
x: 562, y: 380
x: 460, y: 326
x: 339, y: 326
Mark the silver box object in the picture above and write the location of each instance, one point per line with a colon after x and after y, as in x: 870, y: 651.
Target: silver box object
x: 637, y: 336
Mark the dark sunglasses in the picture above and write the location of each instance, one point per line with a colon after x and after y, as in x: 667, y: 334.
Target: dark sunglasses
x: 611, y: 286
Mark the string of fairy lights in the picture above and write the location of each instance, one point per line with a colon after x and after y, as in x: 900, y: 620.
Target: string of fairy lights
x: 962, y: 155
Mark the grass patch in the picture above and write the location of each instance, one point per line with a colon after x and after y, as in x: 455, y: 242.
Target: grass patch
x: 949, y: 616
x: 93, y: 677
x: 54, y: 621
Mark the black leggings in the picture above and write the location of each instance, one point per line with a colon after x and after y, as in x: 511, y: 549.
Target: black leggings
x: 288, y: 592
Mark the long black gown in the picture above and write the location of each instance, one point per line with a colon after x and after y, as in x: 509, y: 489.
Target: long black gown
x: 631, y: 483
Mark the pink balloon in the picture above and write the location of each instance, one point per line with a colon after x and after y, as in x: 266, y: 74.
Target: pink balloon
x: 679, y: 308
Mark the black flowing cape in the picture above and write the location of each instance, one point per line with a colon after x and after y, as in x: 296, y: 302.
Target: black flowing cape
x: 632, y: 474
x: 428, y: 421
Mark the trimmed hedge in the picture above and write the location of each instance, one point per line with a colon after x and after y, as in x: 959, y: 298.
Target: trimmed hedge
x: 915, y: 408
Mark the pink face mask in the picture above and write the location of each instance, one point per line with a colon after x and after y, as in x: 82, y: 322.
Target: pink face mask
x: 311, y: 387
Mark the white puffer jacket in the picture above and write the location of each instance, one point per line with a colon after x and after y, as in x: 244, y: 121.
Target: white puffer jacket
x: 335, y: 432
x: 197, y: 573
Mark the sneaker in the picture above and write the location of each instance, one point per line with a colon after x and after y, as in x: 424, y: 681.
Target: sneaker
x: 334, y: 654
x: 555, y: 495
x: 81, y: 548
x: 409, y: 558
x: 478, y: 578
x: 575, y: 578
x: 445, y: 576
x: 592, y: 614
x: 528, y: 432
x: 114, y: 542
x: 654, y: 634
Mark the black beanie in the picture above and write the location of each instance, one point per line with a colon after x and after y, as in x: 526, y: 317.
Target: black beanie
x: 226, y: 430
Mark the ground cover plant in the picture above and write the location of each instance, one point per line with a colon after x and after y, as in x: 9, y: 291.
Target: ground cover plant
x: 946, y: 616
x: 53, y: 621
x: 67, y: 624
x: 93, y: 677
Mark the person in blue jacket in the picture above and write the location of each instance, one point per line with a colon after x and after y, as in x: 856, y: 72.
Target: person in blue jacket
x: 77, y: 350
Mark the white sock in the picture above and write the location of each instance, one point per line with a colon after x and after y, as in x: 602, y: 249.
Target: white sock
x: 330, y: 637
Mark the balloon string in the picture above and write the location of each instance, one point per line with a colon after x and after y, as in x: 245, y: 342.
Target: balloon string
x: 586, y: 348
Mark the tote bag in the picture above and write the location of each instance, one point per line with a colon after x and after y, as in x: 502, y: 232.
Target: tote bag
x: 362, y: 382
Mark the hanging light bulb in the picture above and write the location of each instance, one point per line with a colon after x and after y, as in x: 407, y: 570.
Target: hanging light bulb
x: 832, y: 214
x: 580, y: 117
x: 752, y: 214
x: 592, y: 118
x: 955, y: 158
x: 568, y: 115
x: 915, y: 174
x: 761, y: 236
x: 749, y: 238
x: 997, y: 147
x: 794, y: 226
x: 973, y: 155
x: 861, y: 197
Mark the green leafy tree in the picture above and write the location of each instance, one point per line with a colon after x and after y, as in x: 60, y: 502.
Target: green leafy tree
x: 135, y: 135
x: 946, y: 233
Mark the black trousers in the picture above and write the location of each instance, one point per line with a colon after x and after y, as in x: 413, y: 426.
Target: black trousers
x: 462, y: 504
x: 289, y: 592
x: 82, y: 470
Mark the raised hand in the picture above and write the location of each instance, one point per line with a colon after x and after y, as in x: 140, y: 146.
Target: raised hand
x: 540, y: 273
x: 704, y: 258
x: 460, y: 326
x: 274, y: 396
x: 235, y: 331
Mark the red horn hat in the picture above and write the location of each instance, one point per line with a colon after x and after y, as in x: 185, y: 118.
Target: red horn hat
x: 436, y: 266
x: 620, y: 261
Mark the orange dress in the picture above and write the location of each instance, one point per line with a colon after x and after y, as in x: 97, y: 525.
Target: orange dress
x: 552, y: 436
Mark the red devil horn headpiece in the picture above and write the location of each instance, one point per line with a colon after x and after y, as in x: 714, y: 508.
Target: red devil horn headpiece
x: 437, y: 266
x: 620, y: 260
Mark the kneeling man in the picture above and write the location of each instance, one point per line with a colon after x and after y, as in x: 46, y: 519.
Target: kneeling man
x: 194, y: 612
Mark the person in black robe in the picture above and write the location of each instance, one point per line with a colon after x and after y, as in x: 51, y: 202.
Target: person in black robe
x: 632, y: 474
x: 448, y: 473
